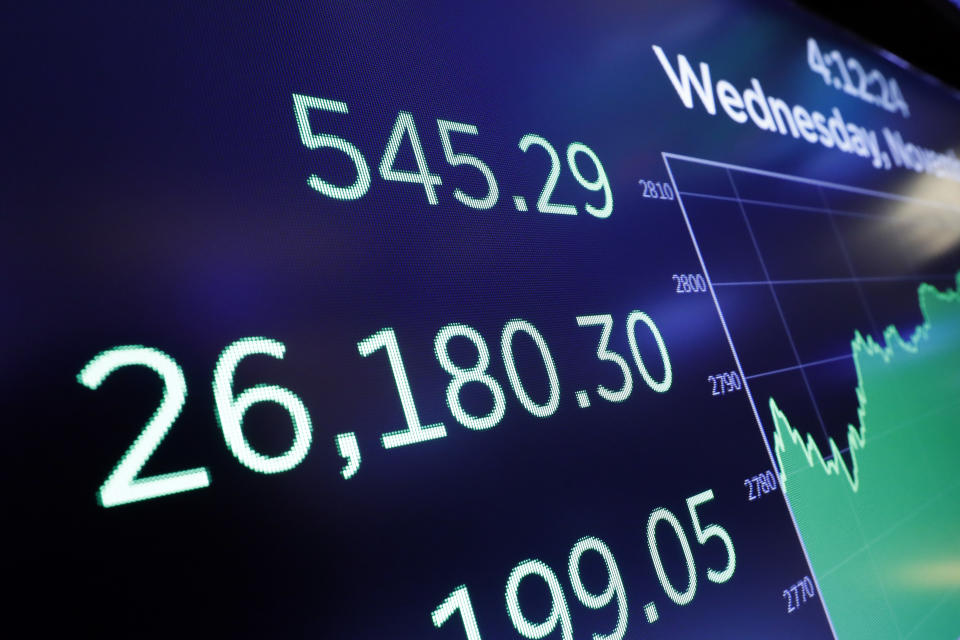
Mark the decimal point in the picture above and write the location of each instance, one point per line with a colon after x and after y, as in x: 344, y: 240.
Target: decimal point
x: 837, y: 83
x: 650, y: 610
x: 583, y: 399
x: 520, y: 203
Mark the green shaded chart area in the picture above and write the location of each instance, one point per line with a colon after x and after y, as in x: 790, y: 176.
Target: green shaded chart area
x: 883, y: 534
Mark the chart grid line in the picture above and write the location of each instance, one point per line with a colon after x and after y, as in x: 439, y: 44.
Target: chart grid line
x: 797, y: 207
x: 896, y: 525
x: 814, y: 182
x: 796, y: 354
x: 802, y: 365
x: 916, y: 278
x: 776, y: 301
x: 846, y: 258
x: 746, y: 384
x: 833, y: 213
x: 932, y: 610
x: 779, y: 205
x: 899, y: 392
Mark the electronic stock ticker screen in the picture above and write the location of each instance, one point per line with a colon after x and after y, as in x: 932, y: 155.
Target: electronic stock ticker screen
x: 479, y: 321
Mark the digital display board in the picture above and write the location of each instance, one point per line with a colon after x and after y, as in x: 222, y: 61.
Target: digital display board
x: 478, y: 321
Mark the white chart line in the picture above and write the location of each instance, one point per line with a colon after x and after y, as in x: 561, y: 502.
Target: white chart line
x: 917, y: 278
x: 779, y: 205
x: 802, y: 365
x: 823, y: 183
